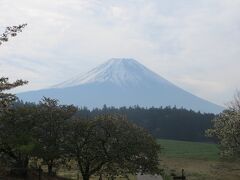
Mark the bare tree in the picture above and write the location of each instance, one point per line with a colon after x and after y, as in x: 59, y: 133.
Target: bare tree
x: 11, y: 31
x: 235, y: 104
x: 7, y: 98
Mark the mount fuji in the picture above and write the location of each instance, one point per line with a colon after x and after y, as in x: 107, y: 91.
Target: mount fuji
x: 121, y: 82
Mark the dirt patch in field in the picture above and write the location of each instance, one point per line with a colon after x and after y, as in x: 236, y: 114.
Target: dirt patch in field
x: 203, y: 169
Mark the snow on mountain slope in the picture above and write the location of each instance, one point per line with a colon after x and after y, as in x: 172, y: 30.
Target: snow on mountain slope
x: 121, y: 82
x: 122, y: 72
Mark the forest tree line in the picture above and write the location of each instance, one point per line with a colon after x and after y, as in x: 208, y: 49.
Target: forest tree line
x: 163, y: 122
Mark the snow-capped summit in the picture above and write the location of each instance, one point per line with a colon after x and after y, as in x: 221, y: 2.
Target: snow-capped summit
x: 121, y: 82
x: 119, y: 71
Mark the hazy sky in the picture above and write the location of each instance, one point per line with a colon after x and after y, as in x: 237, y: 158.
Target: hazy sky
x: 193, y: 43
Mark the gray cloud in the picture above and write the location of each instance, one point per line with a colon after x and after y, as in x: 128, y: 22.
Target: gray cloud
x: 195, y: 44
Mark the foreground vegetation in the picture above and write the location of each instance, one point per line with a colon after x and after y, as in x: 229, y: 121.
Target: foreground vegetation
x: 53, y: 135
x: 50, y: 135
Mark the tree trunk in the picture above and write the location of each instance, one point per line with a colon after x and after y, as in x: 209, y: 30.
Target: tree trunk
x: 20, y: 168
x: 50, y: 169
x: 26, y: 161
x: 86, y: 177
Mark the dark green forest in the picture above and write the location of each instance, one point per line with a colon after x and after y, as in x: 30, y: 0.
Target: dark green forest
x: 163, y: 122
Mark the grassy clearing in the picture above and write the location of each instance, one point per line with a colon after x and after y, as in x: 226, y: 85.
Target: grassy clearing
x: 189, y: 150
x: 203, y: 169
x: 74, y: 175
x: 201, y: 161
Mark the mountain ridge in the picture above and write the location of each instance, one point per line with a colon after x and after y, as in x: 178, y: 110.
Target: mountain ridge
x: 122, y: 82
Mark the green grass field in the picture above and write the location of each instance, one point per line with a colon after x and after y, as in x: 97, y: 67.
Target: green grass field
x: 190, y: 150
x: 201, y: 161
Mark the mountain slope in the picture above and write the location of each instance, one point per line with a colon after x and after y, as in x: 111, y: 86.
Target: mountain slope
x: 121, y: 72
x: 121, y: 82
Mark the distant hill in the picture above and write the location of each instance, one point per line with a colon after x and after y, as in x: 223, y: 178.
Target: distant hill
x: 122, y: 82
